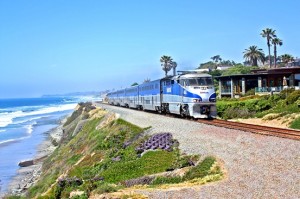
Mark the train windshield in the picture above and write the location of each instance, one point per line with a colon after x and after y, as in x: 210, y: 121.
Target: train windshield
x: 202, y: 81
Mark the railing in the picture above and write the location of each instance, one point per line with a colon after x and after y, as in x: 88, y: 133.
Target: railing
x: 226, y: 91
x: 268, y: 89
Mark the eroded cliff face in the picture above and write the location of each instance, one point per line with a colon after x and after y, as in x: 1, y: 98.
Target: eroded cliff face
x: 100, y: 153
x: 82, y: 113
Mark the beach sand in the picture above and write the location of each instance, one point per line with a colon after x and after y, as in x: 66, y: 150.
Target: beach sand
x: 27, y: 176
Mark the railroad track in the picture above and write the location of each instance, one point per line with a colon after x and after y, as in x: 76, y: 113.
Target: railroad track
x: 265, y: 130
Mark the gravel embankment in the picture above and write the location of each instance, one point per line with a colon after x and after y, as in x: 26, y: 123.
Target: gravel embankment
x: 257, y: 166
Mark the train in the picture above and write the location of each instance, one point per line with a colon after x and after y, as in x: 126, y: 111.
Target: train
x: 189, y: 94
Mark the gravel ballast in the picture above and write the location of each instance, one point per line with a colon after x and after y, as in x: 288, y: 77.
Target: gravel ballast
x: 257, y: 166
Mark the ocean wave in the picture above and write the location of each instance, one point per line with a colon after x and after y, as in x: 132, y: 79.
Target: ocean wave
x: 7, y: 118
x: 12, y: 140
x: 29, y: 128
x: 29, y: 119
x: 21, y: 108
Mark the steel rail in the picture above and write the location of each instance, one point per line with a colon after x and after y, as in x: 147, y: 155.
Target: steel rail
x: 265, y: 130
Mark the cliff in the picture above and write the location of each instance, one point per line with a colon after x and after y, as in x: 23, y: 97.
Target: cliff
x: 100, y: 155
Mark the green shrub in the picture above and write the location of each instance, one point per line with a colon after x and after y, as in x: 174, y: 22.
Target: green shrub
x: 293, y: 97
x: 82, y: 196
x: 295, y: 124
x: 232, y: 112
x: 271, y: 116
x: 150, y: 163
x: 250, y: 92
x: 284, y: 93
x: 105, y: 188
x: 264, y: 105
x: 166, y: 180
x: 249, y: 97
x: 251, y: 105
x: 222, y: 106
x: 201, y: 170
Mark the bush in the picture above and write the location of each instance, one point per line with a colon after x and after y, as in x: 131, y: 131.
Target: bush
x: 201, y: 170
x: 293, y: 97
x: 105, y: 188
x: 222, y: 106
x: 264, y: 105
x: 83, y: 196
x: 166, y: 180
x: 284, y: 93
x: 251, y: 105
x: 295, y: 124
x: 233, y: 112
x: 249, y: 97
x: 250, y: 92
x: 271, y: 116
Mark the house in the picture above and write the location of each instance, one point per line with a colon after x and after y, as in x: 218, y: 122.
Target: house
x: 223, y: 67
x: 295, y: 63
x: 264, y: 81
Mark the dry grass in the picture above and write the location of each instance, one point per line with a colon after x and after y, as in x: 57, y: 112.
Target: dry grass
x: 272, y: 120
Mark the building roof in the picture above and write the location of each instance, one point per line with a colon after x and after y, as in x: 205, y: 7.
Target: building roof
x: 264, y: 72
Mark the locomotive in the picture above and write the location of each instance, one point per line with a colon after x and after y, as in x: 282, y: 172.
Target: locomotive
x: 189, y: 94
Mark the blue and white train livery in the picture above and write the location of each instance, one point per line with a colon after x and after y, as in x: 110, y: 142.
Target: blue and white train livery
x: 190, y: 94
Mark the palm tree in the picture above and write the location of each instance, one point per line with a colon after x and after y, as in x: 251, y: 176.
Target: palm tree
x: 254, y: 54
x: 276, y: 41
x: 147, y: 80
x: 166, y: 63
x: 174, y: 65
x: 216, y: 58
x: 286, y: 58
x: 269, y: 34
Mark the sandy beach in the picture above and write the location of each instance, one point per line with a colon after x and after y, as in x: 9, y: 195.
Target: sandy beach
x: 27, y: 176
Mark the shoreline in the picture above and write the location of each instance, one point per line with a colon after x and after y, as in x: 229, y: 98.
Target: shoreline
x: 26, y: 176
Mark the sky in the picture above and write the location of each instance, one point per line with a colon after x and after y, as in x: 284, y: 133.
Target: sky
x: 62, y: 46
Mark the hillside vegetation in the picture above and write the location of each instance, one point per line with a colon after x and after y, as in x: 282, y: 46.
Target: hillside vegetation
x: 268, y: 107
x: 99, y: 154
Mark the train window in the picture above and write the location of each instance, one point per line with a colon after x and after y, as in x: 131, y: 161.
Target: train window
x: 168, y: 83
x: 172, y: 81
x: 199, y: 81
x: 181, y: 82
x: 205, y: 81
x: 193, y: 82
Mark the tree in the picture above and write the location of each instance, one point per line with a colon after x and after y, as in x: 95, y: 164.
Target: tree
x: 254, y: 54
x: 238, y: 69
x: 134, y: 84
x: 269, y: 34
x: 210, y: 65
x: 174, y: 65
x: 286, y: 58
x: 166, y: 63
x: 147, y: 80
x: 276, y: 41
x: 216, y: 59
x: 227, y: 63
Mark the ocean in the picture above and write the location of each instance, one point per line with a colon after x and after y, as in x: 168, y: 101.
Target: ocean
x: 23, y: 126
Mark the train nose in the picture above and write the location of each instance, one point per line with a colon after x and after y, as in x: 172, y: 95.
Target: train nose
x: 213, y: 97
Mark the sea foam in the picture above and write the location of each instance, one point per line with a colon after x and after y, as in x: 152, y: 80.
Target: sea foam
x: 7, y: 118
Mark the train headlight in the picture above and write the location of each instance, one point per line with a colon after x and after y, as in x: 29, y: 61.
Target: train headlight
x: 196, y: 100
